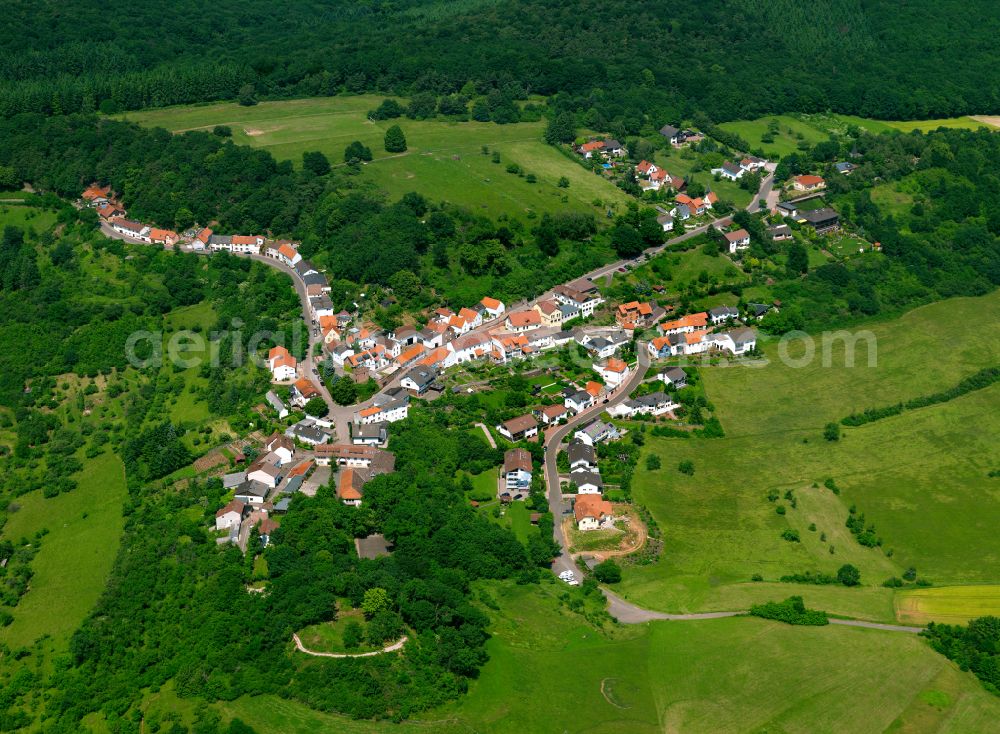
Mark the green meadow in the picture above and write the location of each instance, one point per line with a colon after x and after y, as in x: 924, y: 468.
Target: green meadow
x: 26, y: 217
x: 791, y: 132
x: 920, y: 477
x: 549, y: 671
x: 76, y: 554
x: 444, y: 160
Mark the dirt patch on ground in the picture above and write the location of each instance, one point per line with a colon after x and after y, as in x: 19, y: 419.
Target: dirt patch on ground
x: 991, y: 120
x: 253, y: 132
x: 210, y: 460
x: 632, y: 536
x: 606, y: 685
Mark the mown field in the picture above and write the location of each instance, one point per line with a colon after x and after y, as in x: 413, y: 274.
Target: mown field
x: 948, y: 604
x: 791, y: 131
x: 444, y: 161
x: 920, y: 477
x: 549, y: 671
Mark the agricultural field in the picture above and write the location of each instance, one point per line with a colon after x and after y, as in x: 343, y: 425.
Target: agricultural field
x: 948, y: 604
x: 444, y: 161
x: 550, y: 671
x: 921, y: 469
x: 880, y: 126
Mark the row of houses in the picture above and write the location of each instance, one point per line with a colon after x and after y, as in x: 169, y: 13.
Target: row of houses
x: 735, y: 171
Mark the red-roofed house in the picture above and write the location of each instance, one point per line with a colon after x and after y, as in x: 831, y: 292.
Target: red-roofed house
x: 109, y: 210
x: 285, y: 252
x: 281, y: 363
x: 165, y: 237
x: 613, y: 371
x: 591, y: 511
x: 808, y: 183
x: 738, y: 240
x: 96, y: 195
x: 492, y: 308
x: 523, y: 321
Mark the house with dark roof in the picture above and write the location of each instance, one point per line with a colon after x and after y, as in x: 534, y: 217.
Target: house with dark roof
x: 673, y: 376
x: 586, y: 481
x: 419, y: 380
x: 721, y: 314
x: 672, y: 134
x: 370, y: 434
x: 581, y: 456
x: 780, y: 232
x: 822, y: 220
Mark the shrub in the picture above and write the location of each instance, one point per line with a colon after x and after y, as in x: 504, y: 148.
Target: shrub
x: 653, y: 462
x: 608, y: 572
x: 686, y: 467
x: 848, y: 575
x: 790, y: 611
x: 792, y: 536
x: 831, y: 432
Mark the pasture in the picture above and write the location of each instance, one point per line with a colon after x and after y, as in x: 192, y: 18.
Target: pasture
x: 791, y: 132
x: 549, y: 671
x: 444, y: 160
x: 924, y: 469
x: 84, y: 527
x: 948, y: 604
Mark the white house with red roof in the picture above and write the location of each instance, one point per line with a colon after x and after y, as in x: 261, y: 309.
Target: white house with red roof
x: 281, y: 363
x: 286, y: 252
x: 738, y: 240
x: 808, y: 182
x: 523, y: 321
x: 613, y: 371
x: 492, y: 308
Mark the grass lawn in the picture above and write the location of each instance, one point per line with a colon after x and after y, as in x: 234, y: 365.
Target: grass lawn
x: 519, y: 519
x: 888, y: 198
x: 484, y: 485
x: 921, y: 470
x: 549, y: 671
x: 76, y: 555
x: 443, y: 162
x: 948, y: 604
x: 791, y: 131
x: 26, y: 217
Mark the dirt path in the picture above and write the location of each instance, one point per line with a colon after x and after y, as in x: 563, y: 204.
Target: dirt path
x: 489, y: 436
x: 397, y: 645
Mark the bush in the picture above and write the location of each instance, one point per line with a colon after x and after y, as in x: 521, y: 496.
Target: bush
x: 790, y: 611
x: 848, y: 575
x: 792, y: 536
x: 653, y: 462
x: 354, y: 633
x: 608, y: 572
x: 831, y: 432
x: 686, y: 467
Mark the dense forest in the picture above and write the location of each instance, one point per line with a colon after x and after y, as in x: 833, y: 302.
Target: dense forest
x: 614, y: 60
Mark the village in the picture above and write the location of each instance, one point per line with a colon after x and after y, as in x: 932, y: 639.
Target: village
x: 631, y: 354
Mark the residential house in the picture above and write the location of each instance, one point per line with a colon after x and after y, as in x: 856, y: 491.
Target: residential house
x: 308, y: 432
x: 230, y: 516
x: 303, y: 391
x: 581, y: 456
x: 736, y: 341
x: 684, y: 324
x: 585, y: 302
x: 822, y: 220
x: 316, y: 284
x: 371, y: 434
x: 281, y: 363
x: 520, y: 321
x: 671, y: 133
x: 636, y: 315
x: 613, y: 371
x: 597, y: 432
x: 587, y: 482
x: 592, y: 512
x: 350, y: 486
x: 389, y: 407
x: 729, y: 170
x: 752, y: 163
x: 844, y: 167
x: 253, y: 492
x: 808, y: 182
x: 738, y: 240
x: 411, y: 355
x: 788, y: 209
x: 516, y: 475
x: 110, y: 211
x: 551, y: 414
x: 275, y: 402
x: 284, y: 252
x: 578, y: 401
x: 492, y: 308
x: 129, y: 228
x: 673, y: 376
x: 304, y: 268
x: 757, y: 311
x: 233, y: 480
x: 522, y: 428
x: 653, y: 404
x: 588, y: 150
x: 646, y: 169
x: 666, y: 221
x: 780, y: 232
x: 470, y: 347
x: 612, y: 148
x: 418, y: 380
x: 549, y: 313
x: 96, y: 195
x: 721, y: 314
x: 321, y: 306
x: 281, y: 446
x: 343, y: 454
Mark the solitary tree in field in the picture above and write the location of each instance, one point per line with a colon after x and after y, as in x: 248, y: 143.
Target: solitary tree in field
x: 608, y: 572
x: 395, y: 141
x: 357, y: 151
x: 832, y: 432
